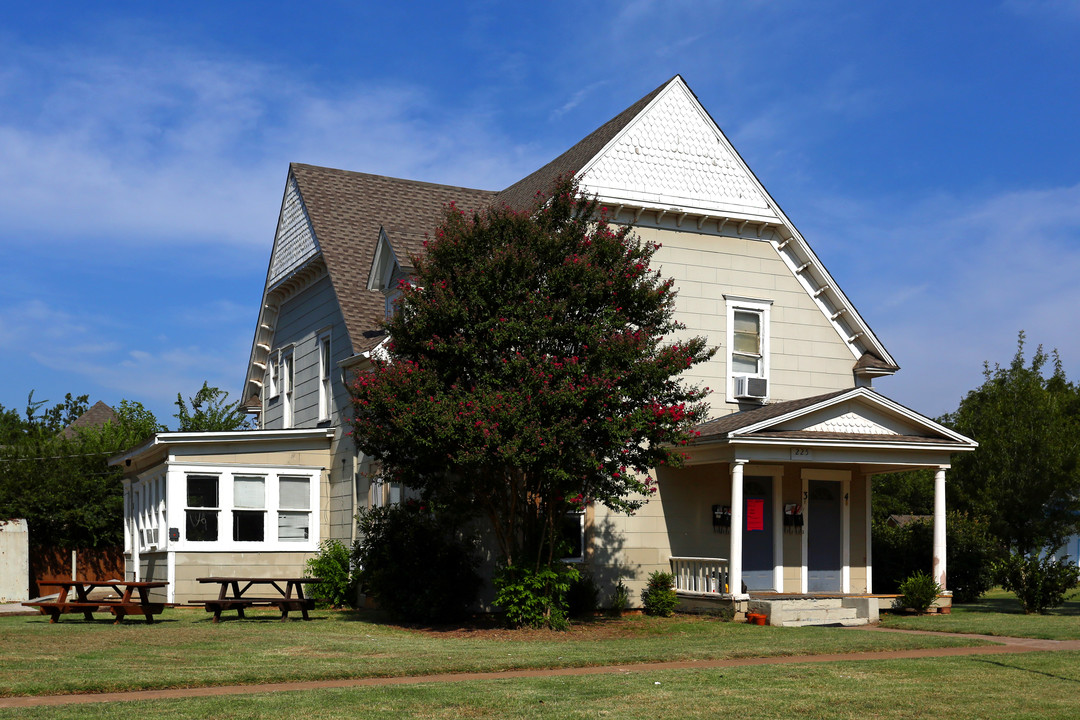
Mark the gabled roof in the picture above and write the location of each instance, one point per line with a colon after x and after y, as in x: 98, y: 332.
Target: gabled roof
x: 347, y: 210
x: 664, y: 155
x: 849, y: 416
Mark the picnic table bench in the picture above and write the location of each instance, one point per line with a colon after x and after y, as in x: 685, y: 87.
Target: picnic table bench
x: 125, y: 602
x: 231, y: 595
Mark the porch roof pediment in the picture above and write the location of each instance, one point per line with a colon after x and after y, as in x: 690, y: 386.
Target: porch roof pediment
x: 856, y: 417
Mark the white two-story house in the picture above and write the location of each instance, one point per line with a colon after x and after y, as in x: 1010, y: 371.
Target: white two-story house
x: 776, y: 497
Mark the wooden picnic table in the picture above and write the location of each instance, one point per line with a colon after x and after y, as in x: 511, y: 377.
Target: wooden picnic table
x: 132, y: 598
x: 231, y: 595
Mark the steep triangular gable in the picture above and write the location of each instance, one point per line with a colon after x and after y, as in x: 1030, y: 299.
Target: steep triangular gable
x: 295, y: 250
x: 666, y: 156
x: 294, y: 241
x: 672, y: 156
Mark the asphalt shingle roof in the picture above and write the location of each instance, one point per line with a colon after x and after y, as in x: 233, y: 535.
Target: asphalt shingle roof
x: 347, y: 209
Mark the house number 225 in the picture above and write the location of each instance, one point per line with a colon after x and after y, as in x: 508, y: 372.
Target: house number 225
x: 800, y: 453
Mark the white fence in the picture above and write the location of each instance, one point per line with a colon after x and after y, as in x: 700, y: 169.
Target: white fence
x: 700, y: 575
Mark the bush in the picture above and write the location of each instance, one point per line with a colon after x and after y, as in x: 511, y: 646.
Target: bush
x: 416, y: 562
x: 338, y: 588
x: 1039, y: 583
x: 919, y: 592
x: 900, y: 552
x: 620, y: 599
x: 535, y: 598
x: 583, y: 598
x: 659, y: 596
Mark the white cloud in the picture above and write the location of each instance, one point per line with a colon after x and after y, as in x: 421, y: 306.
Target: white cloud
x: 154, y: 145
x: 949, y: 285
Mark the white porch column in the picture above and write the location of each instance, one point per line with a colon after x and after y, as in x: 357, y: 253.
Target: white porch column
x: 737, y: 522
x: 939, y: 570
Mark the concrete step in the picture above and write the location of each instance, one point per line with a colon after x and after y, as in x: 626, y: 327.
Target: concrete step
x: 795, y: 612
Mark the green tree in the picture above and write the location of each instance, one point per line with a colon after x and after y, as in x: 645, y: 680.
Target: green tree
x: 63, y: 484
x: 903, y: 493
x: 1024, y: 478
x: 210, y: 412
x: 527, y: 372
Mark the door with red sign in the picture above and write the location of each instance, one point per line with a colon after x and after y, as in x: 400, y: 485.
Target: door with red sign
x: 758, y: 533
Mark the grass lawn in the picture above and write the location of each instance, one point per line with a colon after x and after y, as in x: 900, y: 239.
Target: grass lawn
x: 1033, y: 685
x: 185, y: 649
x: 998, y: 613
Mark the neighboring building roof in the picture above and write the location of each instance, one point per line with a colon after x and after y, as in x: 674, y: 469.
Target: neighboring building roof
x: 96, y: 416
x: 902, y: 520
x: 347, y: 209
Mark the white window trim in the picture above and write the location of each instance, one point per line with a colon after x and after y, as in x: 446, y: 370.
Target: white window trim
x: 272, y: 371
x: 177, y: 498
x: 764, y: 309
x: 287, y: 386
x: 326, y: 388
x: 581, y: 519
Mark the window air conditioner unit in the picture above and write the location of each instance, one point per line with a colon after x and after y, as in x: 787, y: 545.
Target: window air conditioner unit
x: 750, y: 388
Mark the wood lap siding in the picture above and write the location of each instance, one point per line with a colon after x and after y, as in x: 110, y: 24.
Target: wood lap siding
x: 301, y: 318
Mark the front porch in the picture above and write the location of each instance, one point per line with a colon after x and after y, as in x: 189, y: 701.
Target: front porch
x: 702, y: 586
x: 772, y: 513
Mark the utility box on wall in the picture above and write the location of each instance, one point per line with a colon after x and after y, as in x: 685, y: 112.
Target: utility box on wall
x: 14, y: 561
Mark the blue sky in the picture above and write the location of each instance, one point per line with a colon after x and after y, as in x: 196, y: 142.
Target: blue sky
x: 928, y: 151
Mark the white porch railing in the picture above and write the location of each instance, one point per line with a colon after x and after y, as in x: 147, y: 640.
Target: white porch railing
x: 700, y: 575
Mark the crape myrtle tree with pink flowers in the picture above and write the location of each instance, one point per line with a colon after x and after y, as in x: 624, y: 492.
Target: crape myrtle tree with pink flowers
x: 527, y: 372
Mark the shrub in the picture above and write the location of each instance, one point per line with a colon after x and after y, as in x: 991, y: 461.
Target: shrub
x: 1039, y: 583
x: 919, y: 592
x: 535, y: 598
x: 583, y: 598
x: 900, y: 552
x: 416, y: 562
x: 659, y: 596
x: 620, y: 599
x: 338, y: 588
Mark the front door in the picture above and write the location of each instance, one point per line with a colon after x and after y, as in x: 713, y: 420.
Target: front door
x: 824, y: 536
x: 758, y: 533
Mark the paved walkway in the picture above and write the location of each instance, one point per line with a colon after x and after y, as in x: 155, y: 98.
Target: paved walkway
x: 1003, y: 645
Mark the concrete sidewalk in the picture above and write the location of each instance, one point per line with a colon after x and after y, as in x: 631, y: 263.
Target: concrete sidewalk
x: 14, y: 609
x: 1002, y: 646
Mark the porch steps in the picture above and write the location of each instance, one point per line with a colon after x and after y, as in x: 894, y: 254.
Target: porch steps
x: 800, y: 611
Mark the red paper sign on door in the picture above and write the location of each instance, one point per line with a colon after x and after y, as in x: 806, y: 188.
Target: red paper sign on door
x: 755, y: 514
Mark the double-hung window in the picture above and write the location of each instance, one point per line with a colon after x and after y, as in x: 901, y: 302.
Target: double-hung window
x: 201, y: 513
x: 325, y: 388
x: 249, y: 508
x: 272, y: 377
x: 286, y: 381
x: 572, y: 533
x: 294, y: 508
x: 748, y: 348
